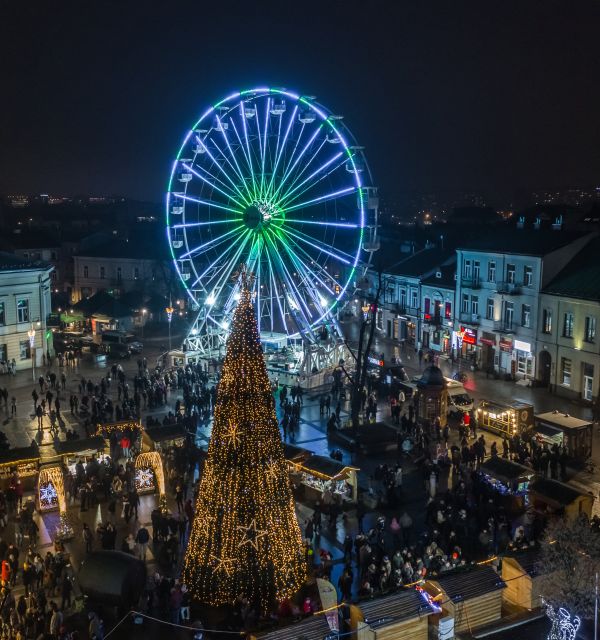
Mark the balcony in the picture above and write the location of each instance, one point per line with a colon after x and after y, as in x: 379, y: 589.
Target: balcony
x: 432, y: 320
x: 470, y: 318
x: 505, y: 327
x: 509, y: 288
x: 471, y: 283
x: 402, y: 309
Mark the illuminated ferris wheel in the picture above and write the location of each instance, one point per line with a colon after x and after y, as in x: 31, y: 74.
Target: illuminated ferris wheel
x: 274, y: 180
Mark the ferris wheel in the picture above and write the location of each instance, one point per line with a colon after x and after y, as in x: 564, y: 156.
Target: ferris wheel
x: 271, y: 179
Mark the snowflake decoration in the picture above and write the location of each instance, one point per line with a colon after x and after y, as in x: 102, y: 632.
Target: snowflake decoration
x: 144, y: 479
x: 48, y: 496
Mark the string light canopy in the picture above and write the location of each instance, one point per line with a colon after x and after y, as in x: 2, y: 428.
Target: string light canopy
x: 245, y: 538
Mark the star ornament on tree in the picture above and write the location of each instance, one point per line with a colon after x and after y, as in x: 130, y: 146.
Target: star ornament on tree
x: 251, y: 534
x: 223, y: 564
x: 233, y: 434
x: 272, y: 471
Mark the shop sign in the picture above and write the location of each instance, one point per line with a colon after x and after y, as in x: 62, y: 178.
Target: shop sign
x: 486, y: 341
x: 469, y: 336
x: 522, y: 346
x: 505, y: 345
x: 376, y: 362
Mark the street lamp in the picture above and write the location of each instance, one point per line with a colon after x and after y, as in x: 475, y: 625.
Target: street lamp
x: 31, y: 334
x: 144, y: 312
x: 169, y: 311
x: 459, y: 343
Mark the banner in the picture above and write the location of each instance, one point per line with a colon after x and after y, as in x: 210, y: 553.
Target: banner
x: 328, y: 596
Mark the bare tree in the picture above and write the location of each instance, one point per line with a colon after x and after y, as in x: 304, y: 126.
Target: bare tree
x: 569, y: 562
x: 360, y: 355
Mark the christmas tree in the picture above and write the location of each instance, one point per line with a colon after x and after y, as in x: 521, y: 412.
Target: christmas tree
x: 245, y: 538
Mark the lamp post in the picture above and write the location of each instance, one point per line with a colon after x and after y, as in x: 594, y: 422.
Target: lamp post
x: 169, y: 311
x: 144, y: 311
x: 31, y: 334
x: 459, y: 341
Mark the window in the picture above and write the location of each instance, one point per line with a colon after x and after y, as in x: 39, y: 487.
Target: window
x: 491, y: 271
x: 136, y: 273
x: 403, y: 297
x: 102, y: 273
x: 2, y: 314
x: 509, y: 312
x: 527, y: 276
x: 467, y: 269
x: 465, y: 303
x: 427, y: 307
x: 86, y: 271
x: 590, y: 329
x: 414, y: 298
x: 389, y: 294
x: 448, y: 310
x: 489, y: 310
x: 510, y: 273
x: 22, y: 310
x: 476, y: 270
x: 53, y: 255
x: 546, y: 321
x: 119, y: 274
x: 54, y: 275
x: 568, y: 325
x: 565, y: 367
x: 526, y: 315
x: 474, y: 305
x: 3, y: 353
x: 24, y: 350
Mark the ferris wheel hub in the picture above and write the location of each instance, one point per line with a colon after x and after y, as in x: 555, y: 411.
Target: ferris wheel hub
x: 261, y: 214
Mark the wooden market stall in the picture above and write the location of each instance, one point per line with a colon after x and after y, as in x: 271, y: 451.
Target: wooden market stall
x: 577, y: 435
x: 323, y: 480
x: 23, y: 461
x: 313, y: 628
x: 82, y: 449
x: 505, y: 419
x: 507, y: 479
x: 401, y: 616
x: 163, y: 437
x: 472, y: 598
x: 558, y: 498
x: 521, y: 573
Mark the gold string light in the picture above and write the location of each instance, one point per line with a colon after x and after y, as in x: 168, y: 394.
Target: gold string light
x: 245, y: 538
x: 152, y: 460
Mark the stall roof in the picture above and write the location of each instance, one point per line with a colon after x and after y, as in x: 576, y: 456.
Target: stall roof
x: 96, y: 443
x: 548, y: 430
x: 504, y: 469
x: 515, y: 404
x: 11, y: 456
x: 562, y: 420
x: 464, y: 585
x: 295, y: 454
x: 327, y: 467
x: 403, y: 605
x: 166, y: 432
x: 529, y: 561
x: 558, y: 492
x: 314, y: 628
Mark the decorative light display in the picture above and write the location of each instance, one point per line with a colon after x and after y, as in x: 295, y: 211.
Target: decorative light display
x: 144, y: 480
x: 48, y: 496
x: 51, y: 492
x: 245, y: 538
x: 563, y: 626
x: 104, y: 429
x: 149, y: 467
x: 274, y: 179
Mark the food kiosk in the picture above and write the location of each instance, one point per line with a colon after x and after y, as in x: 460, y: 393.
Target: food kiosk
x: 561, y: 499
x: 507, y: 420
x: 321, y: 479
x: 84, y: 449
x: 23, y: 461
x: 523, y: 576
x: 294, y: 455
x: 575, y: 434
x: 507, y: 479
x: 163, y: 437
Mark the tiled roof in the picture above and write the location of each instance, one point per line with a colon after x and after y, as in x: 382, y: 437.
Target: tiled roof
x: 421, y: 262
x: 526, y: 242
x: 11, y: 262
x: 446, y: 281
x: 581, y: 277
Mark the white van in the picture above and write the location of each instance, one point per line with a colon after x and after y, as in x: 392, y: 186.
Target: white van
x: 459, y: 401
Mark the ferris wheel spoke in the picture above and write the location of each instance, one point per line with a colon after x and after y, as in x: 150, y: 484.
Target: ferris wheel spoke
x: 237, y: 166
x: 224, y: 272
x: 281, y: 146
x: 189, y: 225
x: 329, y: 196
x: 339, y: 225
x: 314, y: 243
x: 287, y: 199
x: 290, y: 159
x: 207, y: 203
x: 235, y: 172
x: 247, y: 141
x: 227, y: 176
x: 305, y: 166
x: 229, y: 196
x: 264, y: 148
x: 275, y: 291
x: 291, y: 168
x: 229, y: 248
x: 214, y: 242
x: 244, y: 152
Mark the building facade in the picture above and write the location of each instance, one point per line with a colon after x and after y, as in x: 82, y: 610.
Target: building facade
x: 24, y: 307
x: 437, y: 304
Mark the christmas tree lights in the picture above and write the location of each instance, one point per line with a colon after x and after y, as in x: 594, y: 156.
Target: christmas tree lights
x: 245, y: 538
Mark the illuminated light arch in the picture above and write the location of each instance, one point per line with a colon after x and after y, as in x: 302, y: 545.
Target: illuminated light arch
x: 52, y: 476
x: 152, y: 460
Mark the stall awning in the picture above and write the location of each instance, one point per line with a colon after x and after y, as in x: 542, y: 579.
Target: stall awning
x: 295, y: 454
x: 506, y: 470
x: 81, y: 446
x: 166, y: 432
x: 556, y: 493
x: 326, y: 468
x: 18, y: 455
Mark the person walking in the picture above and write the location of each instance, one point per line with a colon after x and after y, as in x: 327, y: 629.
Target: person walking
x: 13, y: 406
x: 142, y: 538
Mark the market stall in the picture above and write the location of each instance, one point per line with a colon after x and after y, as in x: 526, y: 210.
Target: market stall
x: 561, y: 499
x: 85, y: 450
x: 522, y: 575
x: 163, y: 437
x: 505, y: 419
x: 577, y: 435
x: 507, y: 479
x: 295, y: 455
x: 321, y: 479
x: 21, y: 461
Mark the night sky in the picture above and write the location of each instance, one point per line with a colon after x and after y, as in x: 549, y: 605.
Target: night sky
x: 493, y: 96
